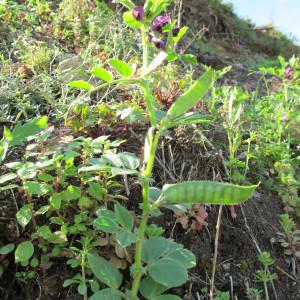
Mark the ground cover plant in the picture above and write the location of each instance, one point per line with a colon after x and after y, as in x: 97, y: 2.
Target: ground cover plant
x: 94, y: 191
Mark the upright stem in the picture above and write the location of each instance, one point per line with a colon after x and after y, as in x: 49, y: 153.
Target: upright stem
x: 145, y: 48
x: 83, y: 273
x: 266, y: 290
x: 141, y: 232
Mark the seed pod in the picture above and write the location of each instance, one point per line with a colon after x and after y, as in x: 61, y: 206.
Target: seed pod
x: 206, y: 192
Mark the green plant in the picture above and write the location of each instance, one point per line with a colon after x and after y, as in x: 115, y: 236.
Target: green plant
x: 233, y: 107
x: 276, y: 134
x: 19, y: 136
x: 254, y: 294
x: 81, y: 260
x: 290, y: 237
x: 264, y: 275
x: 222, y: 296
x: 159, y: 263
x: 60, y: 180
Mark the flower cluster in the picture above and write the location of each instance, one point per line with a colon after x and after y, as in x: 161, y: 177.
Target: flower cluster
x: 157, y: 26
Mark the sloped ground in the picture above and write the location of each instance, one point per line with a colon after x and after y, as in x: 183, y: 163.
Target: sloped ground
x: 241, y: 239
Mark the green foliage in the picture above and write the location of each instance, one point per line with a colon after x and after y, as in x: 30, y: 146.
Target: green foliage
x: 24, y: 251
x: 4, y: 250
x: 105, y: 271
x: 123, y: 68
x: 264, y: 275
x: 19, y: 135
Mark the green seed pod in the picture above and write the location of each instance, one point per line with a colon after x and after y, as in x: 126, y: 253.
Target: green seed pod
x: 206, y: 192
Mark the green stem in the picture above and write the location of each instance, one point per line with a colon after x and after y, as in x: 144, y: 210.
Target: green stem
x: 143, y: 225
x: 148, y: 98
x: 113, y: 82
x: 266, y: 290
x: 83, y: 273
x: 145, y: 48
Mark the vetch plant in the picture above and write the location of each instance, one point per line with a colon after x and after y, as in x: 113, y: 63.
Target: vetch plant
x: 159, y: 263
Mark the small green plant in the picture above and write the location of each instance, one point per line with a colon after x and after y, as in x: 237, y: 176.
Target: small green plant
x: 290, y: 237
x: 222, y: 296
x: 233, y: 107
x: 264, y: 275
x: 254, y: 294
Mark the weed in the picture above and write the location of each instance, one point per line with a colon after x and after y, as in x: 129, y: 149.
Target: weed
x: 264, y: 275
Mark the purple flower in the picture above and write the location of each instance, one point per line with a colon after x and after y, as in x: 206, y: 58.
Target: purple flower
x: 159, y: 43
x: 158, y: 23
x: 138, y: 13
x: 175, y: 31
x: 288, y: 72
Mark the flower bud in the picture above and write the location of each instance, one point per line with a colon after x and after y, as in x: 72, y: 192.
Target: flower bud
x: 159, y: 43
x: 175, y: 31
x: 138, y: 13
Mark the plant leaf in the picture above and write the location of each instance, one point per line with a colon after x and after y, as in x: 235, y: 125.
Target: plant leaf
x: 180, y: 34
x: 24, y: 251
x: 71, y: 193
x: 185, y: 257
x: 106, y: 294
x: 82, y: 288
x: 7, y: 177
x: 106, y: 224
x: 30, y: 128
x: 123, y: 68
x: 124, y: 217
x: 150, y: 288
x: 120, y: 171
x: 55, y: 200
x: 154, y: 248
x: 102, y: 74
x: 96, y: 190
x: 130, y: 20
x: 7, y: 249
x: 36, y: 188
x: 129, y: 160
x: 24, y: 215
x: 191, y: 97
x: 81, y: 84
x: 168, y: 272
x: 105, y: 271
x: 125, y: 238
x: 4, y: 143
x: 190, y: 58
